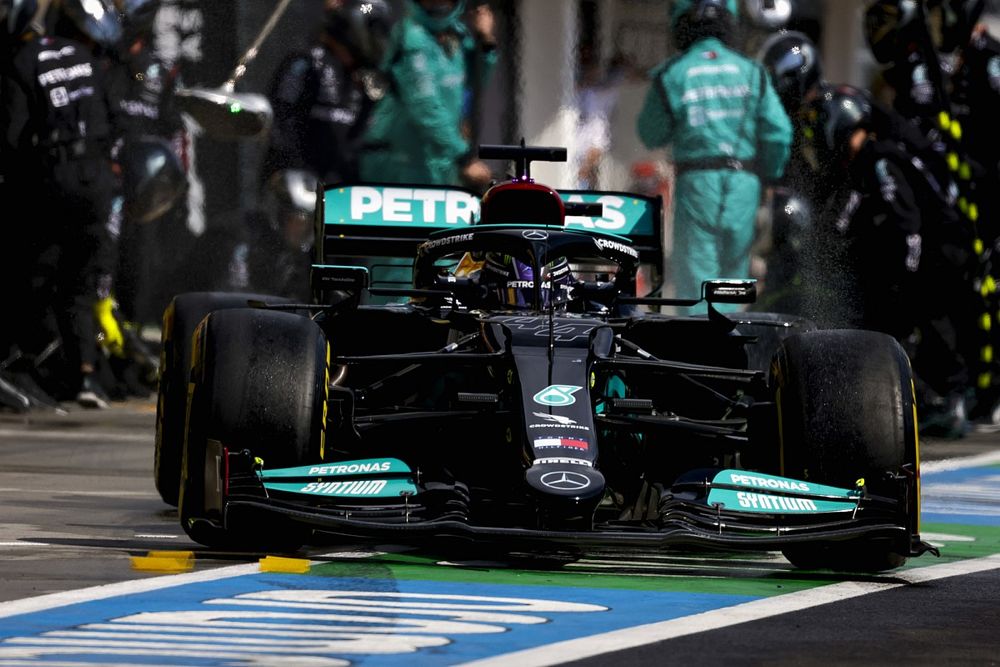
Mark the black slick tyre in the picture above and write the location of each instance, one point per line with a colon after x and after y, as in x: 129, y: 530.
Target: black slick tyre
x: 259, y: 384
x: 845, y: 408
x: 180, y: 318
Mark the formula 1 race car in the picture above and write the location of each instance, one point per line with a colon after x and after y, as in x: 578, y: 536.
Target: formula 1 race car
x: 522, y: 397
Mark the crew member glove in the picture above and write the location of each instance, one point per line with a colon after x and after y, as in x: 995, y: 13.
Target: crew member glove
x: 109, y: 333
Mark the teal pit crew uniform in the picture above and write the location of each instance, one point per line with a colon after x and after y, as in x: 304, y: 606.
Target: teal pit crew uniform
x: 728, y: 130
x: 415, y: 134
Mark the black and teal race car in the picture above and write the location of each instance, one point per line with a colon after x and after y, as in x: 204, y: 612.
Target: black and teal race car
x: 548, y: 416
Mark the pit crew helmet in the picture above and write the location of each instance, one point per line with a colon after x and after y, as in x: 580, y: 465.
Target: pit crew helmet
x: 831, y: 122
x: 98, y: 20
x: 153, y: 177
x: 511, y: 282
x: 696, y: 19
x: 137, y: 17
x: 958, y: 19
x: 438, y: 15
x: 290, y: 205
x: 792, y: 60
x: 887, y: 25
x: 768, y: 14
x: 362, y: 27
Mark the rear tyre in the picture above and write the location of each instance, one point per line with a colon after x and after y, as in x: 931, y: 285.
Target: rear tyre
x: 845, y: 410
x: 260, y: 383
x: 179, y: 321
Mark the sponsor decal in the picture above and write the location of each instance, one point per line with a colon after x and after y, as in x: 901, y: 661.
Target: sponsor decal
x: 451, y: 240
x: 364, y: 467
x: 559, y: 461
x: 754, y: 500
x: 372, y: 488
x: 620, y: 215
x: 572, y: 443
x: 65, y: 74
x: 564, y: 332
x: 565, y: 480
x: 780, y: 483
x: 557, y: 395
x: 535, y: 234
x: 617, y: 246
x: 758, y: 497
x: 559, y: 419
x: 748, y: 501
x: 400, y: 206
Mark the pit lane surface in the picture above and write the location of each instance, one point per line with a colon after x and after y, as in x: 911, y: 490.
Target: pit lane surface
x: 77, y: 502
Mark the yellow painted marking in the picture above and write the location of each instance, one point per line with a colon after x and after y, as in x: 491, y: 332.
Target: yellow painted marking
x: 986, y: 354
x: 285, y: 565
x: 985, y: 323
x: 944, y: 120
x: 977, y: 245
x: 164, y: 561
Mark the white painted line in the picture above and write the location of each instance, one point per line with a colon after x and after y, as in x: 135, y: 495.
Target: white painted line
x: 23, y: 544
x: 53, y: 434
x: 156, y: 537
x: 53, y: 600
x: 618, y: 640
x: 947, y: 465
x: 109, y: 494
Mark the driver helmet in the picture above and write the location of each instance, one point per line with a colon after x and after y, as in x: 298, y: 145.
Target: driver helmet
x: 887, y: 24
x: 290, y: 206
x: 15, y: 17
x: 362, y: 27
x: 696, y: 19
x: 792, y: 61
x: 511, y: 282
x: 97, y: 20
x: 438, y: 15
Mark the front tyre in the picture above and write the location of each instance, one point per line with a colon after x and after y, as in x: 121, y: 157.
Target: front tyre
x: 259, y: 383
x: 846, y: 411
x: 180, y: 318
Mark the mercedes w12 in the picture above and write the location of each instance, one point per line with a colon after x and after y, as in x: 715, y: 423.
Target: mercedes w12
x: 524, y: 393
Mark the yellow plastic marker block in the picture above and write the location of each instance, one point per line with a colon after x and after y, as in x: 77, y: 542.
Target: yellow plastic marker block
x: 965, y: 171
x: 985, y: 322
x: 986, y: 354
x: 963, y: 205
x: 977, y: 245
x: 164, y: 561
x: 973, y: 212
x: 284, y: 565
x: 944, y: 120
x: 953, y: 161
x: 956, y: 131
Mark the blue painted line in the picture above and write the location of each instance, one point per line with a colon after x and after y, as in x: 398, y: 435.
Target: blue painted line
x: 968, y: 496
x: 624, y: 609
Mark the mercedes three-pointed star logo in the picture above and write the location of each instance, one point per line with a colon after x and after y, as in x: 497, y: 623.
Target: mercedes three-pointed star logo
x: 535, y: 234
x: 564, y: 480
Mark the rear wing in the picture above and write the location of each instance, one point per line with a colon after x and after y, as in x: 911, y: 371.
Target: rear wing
x: 390, y: 220
x: 382, y: 220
